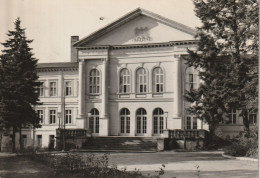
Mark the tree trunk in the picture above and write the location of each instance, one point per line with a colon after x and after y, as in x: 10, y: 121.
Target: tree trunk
x: 20, y: 138
x: 13, y: 139
x: 245, y: 119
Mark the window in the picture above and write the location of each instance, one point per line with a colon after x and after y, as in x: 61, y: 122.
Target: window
x: 40, y: 115
x: 40, y: 90
x: 94, y: 82
x: 158, y: 80
x: 53, y: 88
x: 125, y: 121
x: 39, y: 140
x: 51, y: 142
x: 141, y: 120
x: 158, y: 118
x: 68, y: 116
x: 52, y: 116
x: 252, y: 118
x: 68, y: 88
x: 191, y: 78
x: 141, y: 81
x: 232, y: 117
x: 124, y: 83
x: 94, y: 121
x: 191, y: 122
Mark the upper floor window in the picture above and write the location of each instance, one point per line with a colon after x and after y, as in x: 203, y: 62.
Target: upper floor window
x: 53, y: 88
x: 94, y: 82
x: 40, y: 115
x: 124, y: 83
x: 40, y: 89
x: 141, y: 80
x: 158, y: 80
x: 68, y: 116
x: 191, y: 78
x: 52, y: 116
x: 252, y: 116
x: 68, y: 88
x: 232, y: 117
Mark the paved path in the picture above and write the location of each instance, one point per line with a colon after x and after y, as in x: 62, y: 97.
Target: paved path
x: 184, y: 164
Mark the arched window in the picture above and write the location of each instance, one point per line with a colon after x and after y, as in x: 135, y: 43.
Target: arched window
x: 141, y: 120
x: 125, y: 121
x: 94, y: 121
x: 94, y: 82
x: 158, y: 80
x: 141, y: 81
x: 191, y: 78
x: 124, y: 83
x: 158, y: 117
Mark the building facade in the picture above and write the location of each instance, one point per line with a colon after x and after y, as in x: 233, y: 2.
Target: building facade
x: 126, y: 79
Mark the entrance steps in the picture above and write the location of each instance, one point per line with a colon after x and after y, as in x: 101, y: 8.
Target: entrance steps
x: 122, y: 144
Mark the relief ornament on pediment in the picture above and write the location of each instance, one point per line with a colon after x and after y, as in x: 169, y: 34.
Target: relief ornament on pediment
x: 142, y: 34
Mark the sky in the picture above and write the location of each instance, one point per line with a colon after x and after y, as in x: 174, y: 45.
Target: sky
x: 51, y: 23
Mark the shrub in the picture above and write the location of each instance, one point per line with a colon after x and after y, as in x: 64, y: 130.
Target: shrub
x: 246, y: 144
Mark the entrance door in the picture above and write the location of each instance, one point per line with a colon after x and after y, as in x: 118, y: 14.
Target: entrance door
x: 94, y: 121
x: 141, y: 121
x: 158, y: 118
x: 125, y: 121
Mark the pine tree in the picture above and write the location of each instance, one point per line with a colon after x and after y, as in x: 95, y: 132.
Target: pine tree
x: 18, y: 82
x: 227, y: 57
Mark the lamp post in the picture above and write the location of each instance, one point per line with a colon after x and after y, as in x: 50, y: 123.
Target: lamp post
x: 59, y: 116
x: 166, y: 116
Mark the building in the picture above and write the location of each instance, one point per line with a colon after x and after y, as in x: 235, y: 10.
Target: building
x: 126, y: 79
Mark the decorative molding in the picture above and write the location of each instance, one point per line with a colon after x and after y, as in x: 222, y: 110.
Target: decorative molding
x: 56, y: 69
x: 142, y: 34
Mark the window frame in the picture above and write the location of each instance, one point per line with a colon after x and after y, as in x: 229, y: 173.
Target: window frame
x: 142, y: 117
x: 191, y: 71
x: 40, y: 89
x: 94, y: 82
x: 40, y: 114
x: 158, y: 121
x: 125, y: 121
x: 68, y: 117
x: 52, y: 115
x: 67, y: 87
x: 254, y: 119
x: 53, y: 91
x: 124, y: 81
x: 158, y: 78
x: 141, y: 80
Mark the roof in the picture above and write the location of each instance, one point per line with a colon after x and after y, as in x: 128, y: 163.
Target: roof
x: 57, y: 65
x: 130, y: 16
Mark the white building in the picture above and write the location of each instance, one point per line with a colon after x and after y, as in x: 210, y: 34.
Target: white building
x: 126, y: 79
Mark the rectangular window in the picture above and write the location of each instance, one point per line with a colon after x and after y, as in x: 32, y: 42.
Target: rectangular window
x: 195, y: 125
x: 68, y: 116
x: 40, y: 89
x: 51, y: 142
x: 252, y: 118
x: 24, y: 141
x: 40, y: 115
x: 39, y: 140
x: 188, y: 122
x: 232, y: 117
x: 53, y: 88
x: 52, y: 116
x: 68, y: 88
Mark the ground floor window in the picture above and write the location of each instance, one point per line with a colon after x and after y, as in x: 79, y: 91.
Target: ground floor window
x: 39, y: 140
x: 191, y: 122
x: 158, y: 120
x: 24, y: 141
x: 141, y: 120
x: 94, y: 121
x: 125, y: 121
x: 252, y: 118
x: 51, y: 142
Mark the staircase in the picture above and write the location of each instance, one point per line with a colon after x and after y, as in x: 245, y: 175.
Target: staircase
x: 122, y: 144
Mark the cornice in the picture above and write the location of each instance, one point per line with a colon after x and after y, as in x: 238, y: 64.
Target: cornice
x: 56, y: 69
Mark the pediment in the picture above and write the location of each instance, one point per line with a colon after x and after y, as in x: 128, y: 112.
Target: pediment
x: 138, y: 27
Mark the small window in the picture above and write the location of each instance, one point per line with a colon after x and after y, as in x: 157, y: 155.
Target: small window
x: 40, y: 89
x: 40, y: 115
x: 68, y: 116
x: 124, y: 83
x: 232, y: 117
x: 191, y: 78
x: 158, y: 80
x: 39, y: 140
x: 53, y: 88
x: 141, y: 81
x: 252, y: 116
x: 68, y: 88
x: 94, y: 82
x: 52, y: 116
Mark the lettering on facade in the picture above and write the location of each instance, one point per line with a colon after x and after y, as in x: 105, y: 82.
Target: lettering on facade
x: 142, y: 34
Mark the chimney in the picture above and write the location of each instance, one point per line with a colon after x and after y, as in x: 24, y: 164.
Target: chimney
x: 73, y: 51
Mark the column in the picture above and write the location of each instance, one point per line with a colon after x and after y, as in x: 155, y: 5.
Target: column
x: 104, y: 119
x: 82, y: 83
x: 177, y: 94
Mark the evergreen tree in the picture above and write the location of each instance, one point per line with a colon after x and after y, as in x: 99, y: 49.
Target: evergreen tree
x: 18, y: 82
x: 227, y: 58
